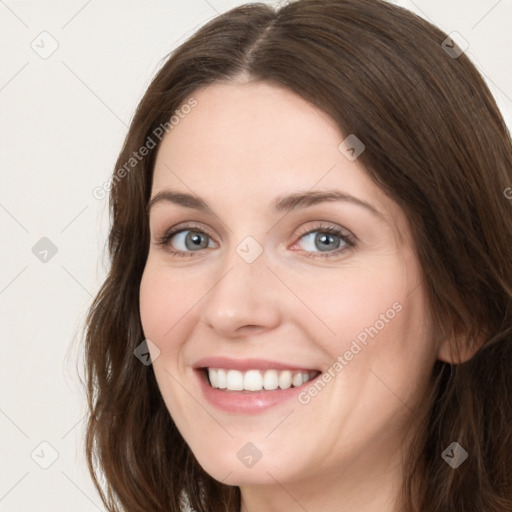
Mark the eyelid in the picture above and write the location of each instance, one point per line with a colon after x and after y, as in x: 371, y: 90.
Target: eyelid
x: 346, y: 236
x: 326, y: 226
x: 184, y: 226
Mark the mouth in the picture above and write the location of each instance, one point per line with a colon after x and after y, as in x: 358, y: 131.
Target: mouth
x: 255, y: 380
x: 251, y: 386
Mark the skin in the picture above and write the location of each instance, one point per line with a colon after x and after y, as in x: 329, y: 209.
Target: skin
x: 242, y: 146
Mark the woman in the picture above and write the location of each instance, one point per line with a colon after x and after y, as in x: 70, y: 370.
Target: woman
x: 312, y: 246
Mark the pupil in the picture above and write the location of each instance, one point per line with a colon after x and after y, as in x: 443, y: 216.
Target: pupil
x: 324, y: 239
x: 196, y: 239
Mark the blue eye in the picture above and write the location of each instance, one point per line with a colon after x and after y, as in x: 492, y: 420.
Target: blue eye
x: 328, y: 240
x: 323, y: 242
x: 189, y: 240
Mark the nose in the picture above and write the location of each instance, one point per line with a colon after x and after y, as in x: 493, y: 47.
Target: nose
x: 243, y: 299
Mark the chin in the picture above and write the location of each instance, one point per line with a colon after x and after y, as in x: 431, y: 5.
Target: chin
x: 241, y: 466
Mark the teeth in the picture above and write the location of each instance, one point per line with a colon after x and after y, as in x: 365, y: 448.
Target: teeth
x: 235, y: 380
x: 253, y: 381
x: 221, y: 379
x: 256, y: 380
x: 270, y: 380
x: 285, y: 379
x: 297, y: 379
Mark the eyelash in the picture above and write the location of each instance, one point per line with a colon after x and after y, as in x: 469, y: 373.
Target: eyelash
x: 347, y: 239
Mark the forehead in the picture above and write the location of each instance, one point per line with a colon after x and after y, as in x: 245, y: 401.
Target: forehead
x: 253, y: 132
x: 246, y: 144
x: 252, y: 124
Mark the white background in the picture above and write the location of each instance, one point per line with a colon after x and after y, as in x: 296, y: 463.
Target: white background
x: 62, y: 122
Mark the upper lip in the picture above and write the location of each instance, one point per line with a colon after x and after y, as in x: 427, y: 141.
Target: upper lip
x: 247, y: 364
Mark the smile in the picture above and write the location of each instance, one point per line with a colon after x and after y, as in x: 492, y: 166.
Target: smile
x: 257, y: 380
x: 251, y: 386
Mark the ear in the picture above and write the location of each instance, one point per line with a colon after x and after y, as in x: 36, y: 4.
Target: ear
x: 460, y: 348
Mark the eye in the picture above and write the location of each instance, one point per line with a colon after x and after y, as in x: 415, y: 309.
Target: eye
x: 321, y: 242
x: 326, y: 241
x: 185, y: 241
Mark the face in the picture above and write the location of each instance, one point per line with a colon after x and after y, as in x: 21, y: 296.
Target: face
x: 283, y: 300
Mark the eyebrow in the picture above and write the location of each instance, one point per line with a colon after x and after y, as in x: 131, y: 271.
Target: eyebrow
x: 281, y: 204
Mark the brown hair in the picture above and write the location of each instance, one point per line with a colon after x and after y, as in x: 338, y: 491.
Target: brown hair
x: 435, y: 143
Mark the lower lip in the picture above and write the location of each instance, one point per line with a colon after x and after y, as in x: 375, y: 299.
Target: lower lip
x: 247, y: 402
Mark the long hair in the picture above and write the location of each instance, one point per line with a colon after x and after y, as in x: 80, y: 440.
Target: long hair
x: 435, y: 142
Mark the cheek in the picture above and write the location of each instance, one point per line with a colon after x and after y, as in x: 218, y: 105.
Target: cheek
x: 166, y: 308
x: 166, y: 303
x: 373, y: 316
x: 153, y: 301
x: 355, y: 299
x: 383, y: 337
